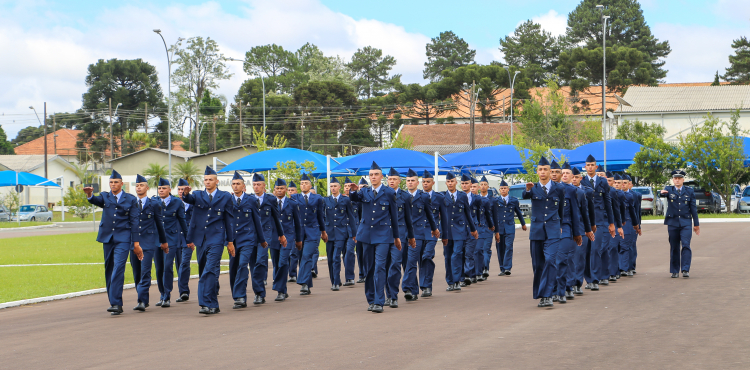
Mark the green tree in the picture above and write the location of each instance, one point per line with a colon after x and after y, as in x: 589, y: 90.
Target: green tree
x: 403, y: 141
x: 77, y: 202
x: 715, y: 153
x: 534, y: 49
x: 738, y: 72
x: 6, y: 148
x: 200, y: 66
x: 155, y: 173
x: 372, y: 69
x: 271, y: 59
x: 12, y: 201
x: 218, y: 134
x: 357, y: 133
x: 716, y: 80
x: 656, y: 160
x: 638, y: 131
x: 27, y: 134
x: 250, y: 97
x: 446, y: 53
x: 260, y: 141
x: 190, y: 172
x: 582, y: 68
x: 626, y: 28
x: 140, y: 140
x: 425, y: 102
x: 81, y: 171
x: 325, y: 124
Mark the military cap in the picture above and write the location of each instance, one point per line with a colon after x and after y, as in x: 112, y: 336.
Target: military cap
x: 237, y: 176
x: 411, y: 173
x: 280, y: 182
x: 393, y: 172
x: 139, y: 179
x: 362, y: 181
x: 590, y: 159
x: 334, y: 180
x: 484, y: 179
x: 450, y: 176
x: 678, y: 173
x: 427, y: 175
x: 305, y: 178
x: 164, y: 182
x: 543, y: 162
x: 554, y: 165
x: 292, y: 184
x: 182, y: 182
x: 209, y: 171
x: 115, y: 175
x: 503, y: 183
x: 374, y: 166
x: 258, y: 177
x: 576, y: 171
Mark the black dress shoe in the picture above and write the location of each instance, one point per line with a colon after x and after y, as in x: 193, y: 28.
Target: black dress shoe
x: 474, y: 280
x: 369, y: 308
x: 166, y: 304
x: 335, y: 288
x: 549, y: 303
x: 612, y: 278
x: 281, y: 297
x: 542, y: 302
x: 578, y: 291
x: 562, y: 299
x: 115, y: 310
x: 140, y: 307
x: 569, y: 294
x: 304, y: 290
x: 203, y: 310
x: 259, y: 300
x: 481, y: 278
x: 349, y: 282
x: 427, y: 292
x: 507, y: 272
x: 502, y: 273
x: 604, y: 282
x: 314, y: 274
x: 213, y: 311
x: 618, y: 276
x: 485, y: 273
x: 394, y: 303
x: 686, y: 274
x: 158, y: 304
x: 588, y: 286
x: 450, y: 288
x: 376, y: 308
x: 675, y: 275
x: 595, y: 286
x: 462, y: 284
x: 555, y: 298
x: 361, y: 280
x: 467, y: 281
x: 184, y: 297
x: 239, y: 303
x: 456, y: 287
x: 408, y: 295
x: 291, y: 279
x: 387, y: 302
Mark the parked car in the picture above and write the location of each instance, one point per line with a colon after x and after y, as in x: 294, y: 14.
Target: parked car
x: 736, y: 195
x: 4, y: 213
x: 705, y: 200
x: 744, y: 204
x: 492, y: 192
x: 33, y: 212
x: 524, y: 204
x: 649, y: 201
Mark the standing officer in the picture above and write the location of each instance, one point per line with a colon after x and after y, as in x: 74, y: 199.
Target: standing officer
x: 405, y: 227
x: 506, y: 209
x: 151, y: 237
x: 580, y: 256
x: 604, y: 222
x: 681, y: 214
x: 175, y: 228
x: 424, y: 227
x: 272, y: 230
x: 339, y: 221
x: 118, y: 233
x: 185, y: 254
x: 312, y: 210
x: 350, y: 254
x: 546, y: 214
x: 426, y: 263
x: 485, y: 226
x: 248, y: 232
x: 455, y: 219
x: 214, y: 211
x: 292, y: 224
x: 379, y: 233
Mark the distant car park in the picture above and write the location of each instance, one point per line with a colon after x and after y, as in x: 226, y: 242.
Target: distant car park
x: 524, y: 204
x: 649, y: 201
x: 33, y: 212
x: 4, y: 213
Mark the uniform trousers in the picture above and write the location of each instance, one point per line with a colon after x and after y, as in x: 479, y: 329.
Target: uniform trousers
x: 454, y: 262
x: 334, y: 249
x: 479, y: 254
x: 625, y: 248
x: 184, y: 255
x: 427, y: 265
x: 375, y: 258
x: 469, y: 255
x: 309, y: 256
x: 280, y: 260
x: 505, y: 251
x: 350, y: 255
x: 563, y: 259
x: 115, y: 257
x: 394, y: 261
x: 543, y: 253
x: 679, y: 258
x: 144, y: 285
x: 411, y: 261
x: 210, y: 260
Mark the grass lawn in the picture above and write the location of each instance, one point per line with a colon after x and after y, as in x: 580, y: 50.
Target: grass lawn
x: 704, y: 215
x: 41, y: 281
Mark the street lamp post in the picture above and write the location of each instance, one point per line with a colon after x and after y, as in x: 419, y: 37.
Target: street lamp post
x: 169, y: 99
x: 263, y: 85
x: 604, y: 81
x: 45, y: 146
x: 511, y: 105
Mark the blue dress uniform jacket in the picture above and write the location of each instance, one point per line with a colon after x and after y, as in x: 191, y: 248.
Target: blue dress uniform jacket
x: 457, y: 216
x: 281, y: 257
x: 572, y: 212
x: 436, y: 204
x: 212, y: 221
x: 312, y: 214
x: 248, y: 228
x: 291, y: 221
x: 403, y: 209
x: 421, y: 215
x: 175, y: 226
x: 250, y: 231
x: 379, y: 223
x: 681, y: 207
x: 119, y: 222
x: 602, y: 201
x: 269, y: 217
x: 546, y: 211
x: 339, y: 218
x: 151, y: 226
x: 505, y: 214
x: 426, y: 264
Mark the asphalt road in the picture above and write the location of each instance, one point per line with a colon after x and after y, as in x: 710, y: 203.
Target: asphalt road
x: 647, y: 321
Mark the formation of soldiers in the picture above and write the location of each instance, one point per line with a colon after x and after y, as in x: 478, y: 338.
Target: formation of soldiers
x: 584, y: 228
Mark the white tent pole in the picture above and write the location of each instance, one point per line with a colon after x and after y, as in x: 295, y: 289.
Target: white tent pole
x: 62, y: 197
x: 18, y: 213
x: 328, y: 173
x: 436, y: 170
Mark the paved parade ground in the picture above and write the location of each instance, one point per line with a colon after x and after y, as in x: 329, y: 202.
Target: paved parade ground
x: 647, y: 321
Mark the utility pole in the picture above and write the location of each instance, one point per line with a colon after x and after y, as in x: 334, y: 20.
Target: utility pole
x: 472, y: 104
x: 111, y: 140
x: 604, y: 84
x: 45, y: 153
x: 145, y: 119
x: 213, y: 136
x: 54, y: 132
x: 240, y: 122
x: 197, y: 133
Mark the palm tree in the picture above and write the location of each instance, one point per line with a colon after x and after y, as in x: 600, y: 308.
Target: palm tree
x: 188, y: 171
x: 82, y: 172
x: 156, y: 172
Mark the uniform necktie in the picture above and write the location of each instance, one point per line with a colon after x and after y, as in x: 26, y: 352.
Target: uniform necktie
x: 453, y: 197
x: 545, y: 190
x: 279, y: 205
x: 307, y: 201
x: 375, y: 192
x: 210, y: 198
x: 336, y: 200
x: 140, y: 204
x: 238, y: 201
x: 259, y: 203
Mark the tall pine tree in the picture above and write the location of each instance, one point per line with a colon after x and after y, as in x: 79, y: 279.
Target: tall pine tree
x: 738, y: 72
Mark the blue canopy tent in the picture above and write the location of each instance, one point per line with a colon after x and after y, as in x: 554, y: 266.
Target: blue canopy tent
x: 13, y: 178
x: 558, y: 154
x: 746, y: 150
x: 267, y: 161
x: 499, y: 158
x: 401, y: 159
x: 620, y: 153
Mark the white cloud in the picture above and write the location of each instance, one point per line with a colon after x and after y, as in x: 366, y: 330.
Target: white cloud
x: 552, y: 22
x: 49, y: 63
x: 697, y: 51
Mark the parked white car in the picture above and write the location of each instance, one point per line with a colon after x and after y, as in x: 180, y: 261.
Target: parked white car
x: 33, y: 212
x: 649, y: 201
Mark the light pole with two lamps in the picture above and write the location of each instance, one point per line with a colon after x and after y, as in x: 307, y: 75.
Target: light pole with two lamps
x: 604, y: 80
x: 169, y: 99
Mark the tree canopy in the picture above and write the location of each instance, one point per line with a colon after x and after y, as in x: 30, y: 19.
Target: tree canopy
x: 372, y: 69
x: 738, y: 72
x: 532, y: 48
x: 446, y: 53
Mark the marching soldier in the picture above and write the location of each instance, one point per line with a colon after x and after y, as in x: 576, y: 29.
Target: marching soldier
x: 214, y: 211
x: 360, y: 262
x: 630, y: 226
x: 455, y: 220
x: 118, y: 233
x: 175, y: 228
x: 485, y: 225
x: 470, y: 246
x: 575, y: 224
x: 378, y: 232
x: 506, y: 208
x: 604, y: 222
x: 292, y: 224
x: 580, y: 257
x: 424, y: 227
x: 405, y: 227
x: 610, y: 256
x: 248, y: 232
x: 272, y: 230
x: 151, y: 238
x: 484, y: 187
x: 426, y: 263
x: 294, y: 254
x: 184, y: 254
x: 637, y: 198
x: 681, y: 214
x: 312, y: 210
x: 339, y: 221
x: 546, y: 213
x: 350, y: 254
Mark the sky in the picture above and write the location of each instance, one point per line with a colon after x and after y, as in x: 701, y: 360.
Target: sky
x: 46, y: 46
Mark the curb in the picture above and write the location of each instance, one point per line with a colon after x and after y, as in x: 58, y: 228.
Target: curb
x: 703, y: 221
x: 29, y: 227
x: 25, y: 302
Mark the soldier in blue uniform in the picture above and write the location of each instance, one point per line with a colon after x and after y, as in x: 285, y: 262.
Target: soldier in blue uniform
x: 292, y: 224
x: 312, y: 211
x: 575, y: 224
x: 360, y: 262
x: 248, y: 234
x: 118, y: 233
x: 339, y: 221
x: 426, y: 263
x: 458, y: 229
x: 580, y: 258
x: 379, y: 233
x: 211, y: 228
x: 350, y: 254
x: 681, y: 214
x: 604, y: 223
x: 424, y: 228
x: 294, y: 254
x: 546, y: 213
x: 405, y: 227
x: 506, y: 209
x: 610, y: 256
x: 175, y: 228
x: 630, y: 227
x: 484, y: 187
x: 151, y: 237
x: 637, y: 198
x: 184, y: 253
x: 272, y: 230
x: 485, y: 225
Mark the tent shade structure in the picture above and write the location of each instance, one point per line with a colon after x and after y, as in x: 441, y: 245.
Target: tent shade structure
x: 8, y: 178
x: 267, y: 161
x: 746, y: 149
x: 401, y: 159
x: 620, y: 153
x: 558, y: 154
x: 499, y: 158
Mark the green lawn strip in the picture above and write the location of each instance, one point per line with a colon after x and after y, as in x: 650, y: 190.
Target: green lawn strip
x: 703, y: 215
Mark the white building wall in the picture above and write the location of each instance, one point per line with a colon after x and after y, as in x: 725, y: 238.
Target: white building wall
x: 36, y: 195
x: 680, y: 123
